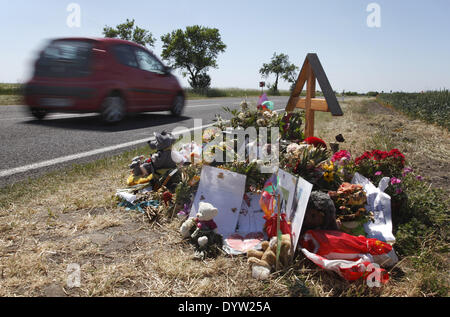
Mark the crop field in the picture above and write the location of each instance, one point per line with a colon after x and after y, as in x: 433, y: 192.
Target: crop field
x: 430, y: 106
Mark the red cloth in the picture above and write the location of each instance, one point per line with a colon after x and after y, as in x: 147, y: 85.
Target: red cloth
x: 271, y: 225
x: 206, y: 225
x: 350, y: 256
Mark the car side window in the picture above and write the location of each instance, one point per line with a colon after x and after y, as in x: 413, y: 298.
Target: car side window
x: 125, y: 55
x: 148, y: 62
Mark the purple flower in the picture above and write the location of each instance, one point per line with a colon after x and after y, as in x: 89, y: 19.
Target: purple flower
x: 419, y: 178
x: 378, y: 173
x: 398, y: 191
x: 395, y: 180
x: 406, y: 171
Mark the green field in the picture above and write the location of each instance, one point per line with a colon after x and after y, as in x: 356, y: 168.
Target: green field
x: 430, y: 106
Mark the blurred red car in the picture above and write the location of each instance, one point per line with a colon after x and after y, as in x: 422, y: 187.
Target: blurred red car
x: 108, y: 76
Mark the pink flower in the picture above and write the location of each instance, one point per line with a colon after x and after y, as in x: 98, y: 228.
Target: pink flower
x: 406, y: 171
x: 398, y: 191
x: 378, y: 173
x: 395, y: 180
x: 419, y: 178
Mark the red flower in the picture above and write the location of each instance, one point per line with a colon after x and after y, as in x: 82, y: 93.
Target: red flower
x: 378, y: 155
x: 315, y: 141
x: 167, y: 196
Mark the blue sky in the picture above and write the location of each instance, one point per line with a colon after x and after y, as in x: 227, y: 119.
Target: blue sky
x: 409, y: 52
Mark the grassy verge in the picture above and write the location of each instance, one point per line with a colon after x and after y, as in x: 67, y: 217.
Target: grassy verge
x: 72, y: 217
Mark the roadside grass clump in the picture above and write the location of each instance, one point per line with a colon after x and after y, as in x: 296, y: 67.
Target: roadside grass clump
x: 430, y: 106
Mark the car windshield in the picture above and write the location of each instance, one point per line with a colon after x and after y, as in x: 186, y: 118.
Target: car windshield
x: 65, y: 59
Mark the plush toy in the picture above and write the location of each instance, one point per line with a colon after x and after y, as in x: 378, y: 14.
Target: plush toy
x: 202, y: 229
x: 263, y: 262
x: 320, y: 212
x: 162, y: 159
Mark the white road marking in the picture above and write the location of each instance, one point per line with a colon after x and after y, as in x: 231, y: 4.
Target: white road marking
x: 26, y: 168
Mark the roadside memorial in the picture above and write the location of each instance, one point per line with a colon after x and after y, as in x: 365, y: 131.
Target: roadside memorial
x: 305, y: 206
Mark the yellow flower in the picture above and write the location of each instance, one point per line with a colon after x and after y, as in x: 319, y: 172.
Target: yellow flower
x: 328, y: 176
x: 329, y: 167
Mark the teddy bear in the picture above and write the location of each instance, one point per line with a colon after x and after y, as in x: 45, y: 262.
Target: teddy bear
x: 262, y: 262
x: 202, y: 229
x: 161, y: 159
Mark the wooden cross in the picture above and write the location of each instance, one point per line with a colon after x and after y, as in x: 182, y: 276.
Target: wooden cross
x: 312, y: 69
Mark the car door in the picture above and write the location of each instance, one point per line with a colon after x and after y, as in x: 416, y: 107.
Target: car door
x: 156, y: 82
x: 128, y: 72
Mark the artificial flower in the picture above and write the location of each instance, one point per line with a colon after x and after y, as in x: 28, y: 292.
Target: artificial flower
x: 316, y: 142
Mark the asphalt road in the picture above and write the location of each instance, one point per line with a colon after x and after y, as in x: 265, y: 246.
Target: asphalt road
x: 29, y: 148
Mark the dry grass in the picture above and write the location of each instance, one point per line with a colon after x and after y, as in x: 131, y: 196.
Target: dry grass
x: 6, y: 100
x: 72, y: 217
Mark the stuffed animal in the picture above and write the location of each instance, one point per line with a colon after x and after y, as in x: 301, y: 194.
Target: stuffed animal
x: 320, y: 213
x: 160, y: 160
x: 262, y: 262
x: 202, y: 229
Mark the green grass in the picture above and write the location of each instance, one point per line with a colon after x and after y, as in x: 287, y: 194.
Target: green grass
x: 10, y: 89
x: 229, y: 92
x: 430, y: 106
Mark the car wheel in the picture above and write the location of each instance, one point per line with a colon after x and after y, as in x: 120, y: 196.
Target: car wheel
x: 113, y: 109
x: 38, y: 113
x: 178, y: 106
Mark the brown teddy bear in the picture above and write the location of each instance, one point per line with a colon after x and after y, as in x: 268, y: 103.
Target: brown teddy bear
x: 262, y: 262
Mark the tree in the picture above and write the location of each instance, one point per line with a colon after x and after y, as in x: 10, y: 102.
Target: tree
x: 128, y: 31
x: 281, y: 67
x: 194, y: 50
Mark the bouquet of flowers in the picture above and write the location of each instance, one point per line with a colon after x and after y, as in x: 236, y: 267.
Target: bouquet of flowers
x: 376, y: 164
x: 350, y: 201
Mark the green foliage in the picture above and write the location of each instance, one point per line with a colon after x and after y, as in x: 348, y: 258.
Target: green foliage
x: 11, y: 89
x: 229, y: 92
x: 255, y: 179
x: 281, y: 67
x: 431, y: 106
x: 202, y: 85
x: 128, y: 31
x: 425, y: 212
x: 291, y: 126
x: 194, y: 50
x: 372, y: 93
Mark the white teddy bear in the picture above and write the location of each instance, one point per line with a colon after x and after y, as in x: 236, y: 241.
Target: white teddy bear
x: 203, y: 223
